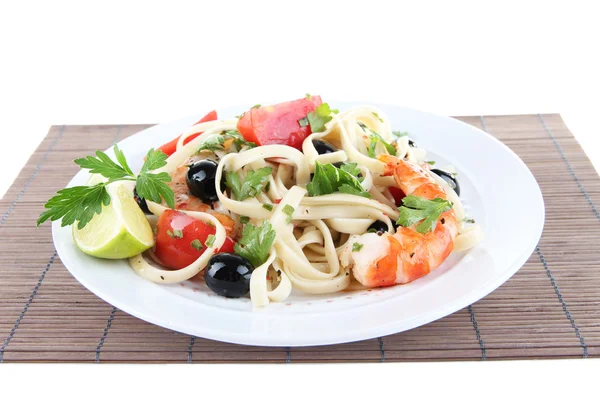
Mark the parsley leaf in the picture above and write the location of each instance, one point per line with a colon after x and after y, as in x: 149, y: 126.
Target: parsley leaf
x: 329, y: 179
x: 154, y: 159
x: 244, y: 219
x: 81, y: 203
x: 103, y: 165
x: 318, y: 118
x: 175, y: 234
x: 77, y: 203
x: 217, y: 142
x: 252, y: 185
x: 357, y: 246
x: 238, y: 139
x: 255, y: 243
x: 351, y: 168
x: 303, y: 122
x: 289, y: 211
x: 415, y: 209
x: 210, y: 240
x: 213, y: 143
x: 151, y: 186
x: 196, y: 244
x: 376, y: 138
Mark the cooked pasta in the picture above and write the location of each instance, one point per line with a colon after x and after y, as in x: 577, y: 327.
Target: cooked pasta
x: 323, y: 242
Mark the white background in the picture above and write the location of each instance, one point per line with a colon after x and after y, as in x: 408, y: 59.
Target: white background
x: 125, y: 62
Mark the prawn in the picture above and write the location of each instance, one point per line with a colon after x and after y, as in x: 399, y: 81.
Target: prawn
x: 405, y: 255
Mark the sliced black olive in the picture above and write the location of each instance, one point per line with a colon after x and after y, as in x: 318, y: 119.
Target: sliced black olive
x: 323, y: 147
x: 449, y: 178
x: 228, y: 275
x: 411, y: 143
x: 378, y: 227
x: 201, y: 180
x: 141, y: 202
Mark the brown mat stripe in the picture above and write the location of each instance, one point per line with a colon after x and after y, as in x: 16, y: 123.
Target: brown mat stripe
x: 550, y: 308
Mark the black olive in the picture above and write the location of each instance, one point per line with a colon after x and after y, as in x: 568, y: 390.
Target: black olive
x: 411, y: 143
x: 201, y: 180
x: 228, y: 275
x: 323, y: 147
x: 141, y: 202
x: 379, y: 227
x: 449, y: 178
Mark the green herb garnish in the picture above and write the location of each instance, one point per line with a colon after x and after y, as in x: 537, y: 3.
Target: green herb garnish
x: 244, y: 219
x: 329, y: 179
x: 255, y: 243
x: 289, y: 211
x: 212, y: 143
x: 175, y: 233
x: 415, y: 209
x: 217, y: 142
x: 196, y: 244
x: 318, y: 118
x: 210, y: 240
x: 251, y: 186
x: 81, y: 203
x: 303, y: 122
x: 378, y: 117
x: 357, y: 246
x: 352, y: 169
x: 376, y: 138
x: 267, y: 206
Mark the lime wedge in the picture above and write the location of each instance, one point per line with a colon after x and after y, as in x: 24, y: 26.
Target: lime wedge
x: 120, y: 231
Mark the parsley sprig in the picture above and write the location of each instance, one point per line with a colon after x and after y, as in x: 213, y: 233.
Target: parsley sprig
x: 415, y: 209
x: 255, y: 243
x: 80, y: 203
x: 374, y: 139
x: 253, y: 183
x: 217, y: 142
x: 318, y: 118
x: 329, y: 179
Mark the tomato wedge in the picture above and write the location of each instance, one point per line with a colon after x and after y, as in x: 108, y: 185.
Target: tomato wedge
x: 398, y: 195
x: 169, y: 148
x: 180, y: 239
x: 278, y: 124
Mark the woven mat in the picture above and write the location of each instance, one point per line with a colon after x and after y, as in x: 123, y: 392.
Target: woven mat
x: 549, y: 309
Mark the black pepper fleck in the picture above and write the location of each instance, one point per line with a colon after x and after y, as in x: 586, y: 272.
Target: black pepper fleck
x: 412, y: 255
x: 162, y: 277
x: 443, y: 221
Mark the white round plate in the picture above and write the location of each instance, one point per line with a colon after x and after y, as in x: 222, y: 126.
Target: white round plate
x: 488, y: 172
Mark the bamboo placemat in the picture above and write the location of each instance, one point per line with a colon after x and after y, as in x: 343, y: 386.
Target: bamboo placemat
x: 549, y: 309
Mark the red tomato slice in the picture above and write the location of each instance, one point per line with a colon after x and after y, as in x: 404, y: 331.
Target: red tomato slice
x: 177, y: 252
x: 398, y: 195
x: 278, y: 124
x: 169, y: 148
